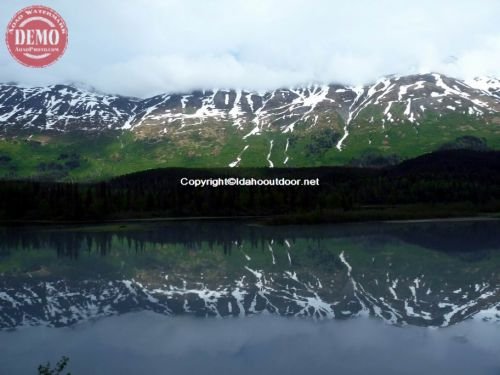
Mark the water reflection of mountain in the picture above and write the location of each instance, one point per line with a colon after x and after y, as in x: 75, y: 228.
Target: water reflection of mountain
x: 391, y: 271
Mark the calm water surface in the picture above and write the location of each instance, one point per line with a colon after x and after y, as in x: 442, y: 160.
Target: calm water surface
x: 219, y: 297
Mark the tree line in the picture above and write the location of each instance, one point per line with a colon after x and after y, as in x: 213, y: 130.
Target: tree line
x: 443, y: 177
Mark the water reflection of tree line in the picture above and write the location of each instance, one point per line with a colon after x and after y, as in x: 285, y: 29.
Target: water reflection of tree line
x: 448, y: 237
x: 70, y: 244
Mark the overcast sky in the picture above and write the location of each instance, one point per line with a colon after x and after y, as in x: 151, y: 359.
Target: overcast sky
x: 145, y: 47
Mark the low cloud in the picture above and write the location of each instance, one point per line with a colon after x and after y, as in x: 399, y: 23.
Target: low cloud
x: 156, y: 46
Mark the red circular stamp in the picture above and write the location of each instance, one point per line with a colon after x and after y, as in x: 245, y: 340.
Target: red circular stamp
x: 36, y: 36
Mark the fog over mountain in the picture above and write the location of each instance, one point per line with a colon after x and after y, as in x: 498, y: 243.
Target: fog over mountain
x: 157, y: 46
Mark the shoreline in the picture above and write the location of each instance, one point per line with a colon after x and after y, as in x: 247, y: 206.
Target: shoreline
x: 274, y: 220
x: 451, y: 219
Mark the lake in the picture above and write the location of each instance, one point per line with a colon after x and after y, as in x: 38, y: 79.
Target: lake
x: 238, y: 297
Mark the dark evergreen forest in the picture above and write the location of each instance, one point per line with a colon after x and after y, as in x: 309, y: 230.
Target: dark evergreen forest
x: 441, y: 178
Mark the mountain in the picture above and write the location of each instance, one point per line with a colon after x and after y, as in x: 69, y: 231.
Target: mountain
x: 65, y: 108
x: 311, y: 126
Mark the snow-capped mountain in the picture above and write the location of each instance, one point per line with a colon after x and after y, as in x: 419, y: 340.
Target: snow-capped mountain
x: 394, y: 99
x: 396, y: 117
x: 60, y: 108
